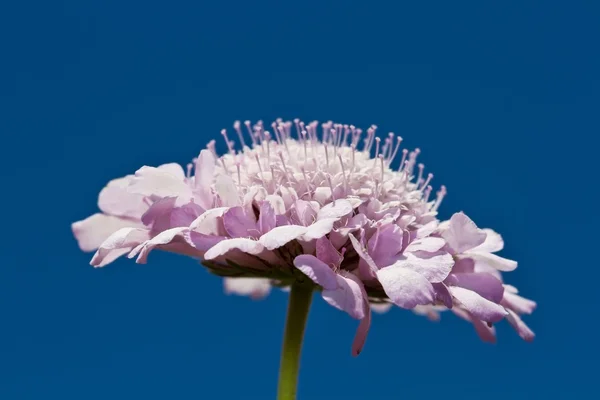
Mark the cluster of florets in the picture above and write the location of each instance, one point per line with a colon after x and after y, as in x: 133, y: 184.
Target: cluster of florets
x: 315, y: 205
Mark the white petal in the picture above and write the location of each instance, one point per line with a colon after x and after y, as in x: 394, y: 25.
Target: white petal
x: 150, y: 181
x: 462, y: 233
x: 481, y: 308
x: 429, y: 244
x: 208, y: 223
x: 281, y: 235
x: 491, y: 260
x: 318, y: 229
x: 435, y: 268
x: 347, y: 297
x: 92, y: 231
x: 248, y: 246
x: 119, y: 243
x: 406, y: 288
x: 493, y: 243
x: 335, y: 210
x: 227, y: 191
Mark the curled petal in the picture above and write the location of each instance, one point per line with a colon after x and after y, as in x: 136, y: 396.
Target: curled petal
x: 92, y: 231
x: 491, y: 260
x: 486, y: 333
x: 244, y: 245
x: 462, y: 234
x: 318, y: 229
x: 493, y: 242
x: 327, y: 253
x: 118, y: 244
x: 171, y: 240
x: 209, y: 222
x: 523, y: 330
x: 347, y: 296
x: 481, y: 308
x: 405, y: 287
x: 319, y: 272
x: 517, y: 303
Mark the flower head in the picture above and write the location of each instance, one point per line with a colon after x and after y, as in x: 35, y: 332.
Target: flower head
x: 325, y: 205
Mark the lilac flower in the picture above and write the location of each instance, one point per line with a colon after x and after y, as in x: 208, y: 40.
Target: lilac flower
x: 309, y: 204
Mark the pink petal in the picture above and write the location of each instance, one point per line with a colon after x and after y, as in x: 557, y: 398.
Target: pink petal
x: 385, y: 245
x: 267, y: 219
x: 405, y: 287
x: 486, y: 333
x: 481, y: 308
x: 493, y: 242
x: 95, y: 229
x: 523, y: 330
x: 362, y: 331
x: 429, y: 244
x: 319, y: 272
x: 276, y: 203
x: 336, y: 210
x: 491, y: 260
x: 517, y: 303
x: 327, y: 253
x: 117, y: 244
x: 462, y: 234
x: 239, y: 223
x: 185, y: 215
x: 256, y: 288
x: 248, y: 246
x: 281, y: 235
x: 150, y: 181
x: 362, y: 253
x: 158, y: 209
x: 202, y: 242
x: 486, y: 285
x: 442, y: 294
x: 435, y: 267
x: 347, y: 297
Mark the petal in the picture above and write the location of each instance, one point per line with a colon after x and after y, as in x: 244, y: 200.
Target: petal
x: 491, y: 260
x: 202, y: 242
x: 227, y: 191
x: 162, y: 239
x: 276, y: 203
x: 517, y: 303
x: 381, y: 308
x: 486, y: 333
x: 523, y: 330
x: 185, y: 215
x: 427, y: 229
x: 256, y: 288
x: 462, y: 234
x: 158, y: 209
x: 347, y: 297
x: 173, y: 169
x: 481, y: 308
x: 203, y: 178
x: 405, y: 287
x: 435, y: 267
x: 336, y: 210
x: 463, y: 266
x: 442, y: 294
x: 119, y: 243
x: 327, y: 253
x: 210, y: 222
x: 267, y: 219
x: 488, y: 286
x: 318, y: 229
x: 360, y: 337
x: 319, y: 272
x: 248, y: 246
x: 114, y: 199
x: 95, y: 229
x: 150, y: 181
x: 429, y: 244
x: 239, y: 223
x: 281, y: 235
x: 362, y: 253
x: 385, y: 244
x: 493, y: 242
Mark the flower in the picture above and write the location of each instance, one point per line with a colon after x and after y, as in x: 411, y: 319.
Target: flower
x: 310, y: 206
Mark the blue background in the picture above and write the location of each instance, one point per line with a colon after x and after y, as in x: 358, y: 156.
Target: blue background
x: 502, y: 97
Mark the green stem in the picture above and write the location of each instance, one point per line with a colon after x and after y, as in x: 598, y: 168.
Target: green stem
x: 300, y: 299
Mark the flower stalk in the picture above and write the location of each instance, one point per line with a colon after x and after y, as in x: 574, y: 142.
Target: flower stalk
x: 297, y: 314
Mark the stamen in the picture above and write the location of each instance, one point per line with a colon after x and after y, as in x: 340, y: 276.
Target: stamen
x: 377, y: 141
x: 440, y: 196
x: 403, y: 161
x: 331, y: 187
x: 236, y: 126
x: 249, y: 129
x: 398, y: 141
x: 308, y: 190
x: 343, y: 173
x: 188, y: 173
x: 420, y: 178
x: 227, y: 141
x: 429, y: 178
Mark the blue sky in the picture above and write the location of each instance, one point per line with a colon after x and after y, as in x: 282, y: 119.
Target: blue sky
x: 501, y: 97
